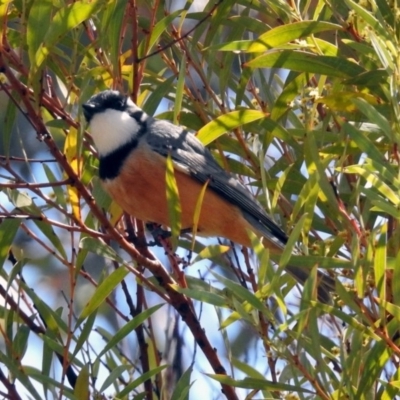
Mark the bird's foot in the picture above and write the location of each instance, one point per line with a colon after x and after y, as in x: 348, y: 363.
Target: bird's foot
x: 158, y: 233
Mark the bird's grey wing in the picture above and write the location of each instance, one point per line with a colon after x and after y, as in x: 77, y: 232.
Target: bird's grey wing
x: 189, y: 153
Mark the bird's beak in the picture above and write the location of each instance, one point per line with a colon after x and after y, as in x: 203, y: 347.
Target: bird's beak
x: 89, y: 110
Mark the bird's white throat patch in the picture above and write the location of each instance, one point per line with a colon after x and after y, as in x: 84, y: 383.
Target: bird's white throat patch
x: 111, y: 129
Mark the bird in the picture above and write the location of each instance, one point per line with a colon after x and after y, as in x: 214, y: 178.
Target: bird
x: 133, y: 148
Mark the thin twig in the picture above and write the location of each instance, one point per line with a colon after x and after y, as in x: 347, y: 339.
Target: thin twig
x: 28, y: 185
x: 180, y: 38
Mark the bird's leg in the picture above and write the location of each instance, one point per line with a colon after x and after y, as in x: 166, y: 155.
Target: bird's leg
x: 130, y: 236
x: 130, y: 233
x: 158, y: 233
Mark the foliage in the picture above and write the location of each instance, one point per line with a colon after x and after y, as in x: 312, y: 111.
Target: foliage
x: 301, y: 100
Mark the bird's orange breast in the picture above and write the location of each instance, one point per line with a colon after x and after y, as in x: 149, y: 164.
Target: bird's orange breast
x: 140, y: 189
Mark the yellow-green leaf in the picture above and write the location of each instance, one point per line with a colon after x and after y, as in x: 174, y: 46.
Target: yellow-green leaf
x: 81, y: 389
x: 173, y: 201
x: 71, y: 151
x: 197, y: 213
x: 103, y: 291
x: 227, y: 122
x: 211, y: 251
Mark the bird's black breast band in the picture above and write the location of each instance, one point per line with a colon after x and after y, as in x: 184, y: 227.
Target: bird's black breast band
x: 111, y: 164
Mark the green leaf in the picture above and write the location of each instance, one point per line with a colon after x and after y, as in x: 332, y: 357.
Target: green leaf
x: 65, y: 19
x: 373, y: 366
x: 173, y: 201
x: 97, y: 246
x: 227, y: 122
x: 376, y: 181
x: 19, y: 198
x: 114, y: 11
x: 19, y: 374
x: 369, y: 79
x: 393, y: 309
x: 8, y: 230
x: 54, y: 323
x: 260, y: 384
x: 250, y: 371
x: 36, y: 29
x: 323, y: 47
x: 54, y: 239
x: 322, y: 261
x: 113, y: 376
x: 143, y: 377
x: 203, y: 296
x: 307, y: 62
x: 161, y: 91
x: 218, y: 17
x: 373, y: 115
x: 162, y: 26
x: 379, y: 203
x: 182, y: 388
x: 180, y: 90
x: 369, y: 19
x: 249, y: 23
x: 8, y: 125
x: 83, y: 336
x: 188, y: 119
x: 234, y: 166
x: 45, y: 379
x: 307, y: 200
x: 379, y: 260
x: 293, y: 86
x: 129, y: 327
x: 20, y: 341
x: 278, y: 36
x: 291, y: 243
x: 382, y: 51
x: 58, y: 190
x: 240, y: 292
x: 396, y: 280
x: 47, y: 361
x: 102, y: 292
x: 353, y: 321
x: 81, y: 389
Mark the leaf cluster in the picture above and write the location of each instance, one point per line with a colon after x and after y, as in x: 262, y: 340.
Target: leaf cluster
x: 301, y: 101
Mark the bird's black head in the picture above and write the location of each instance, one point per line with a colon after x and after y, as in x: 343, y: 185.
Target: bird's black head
x: 108, y: 99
